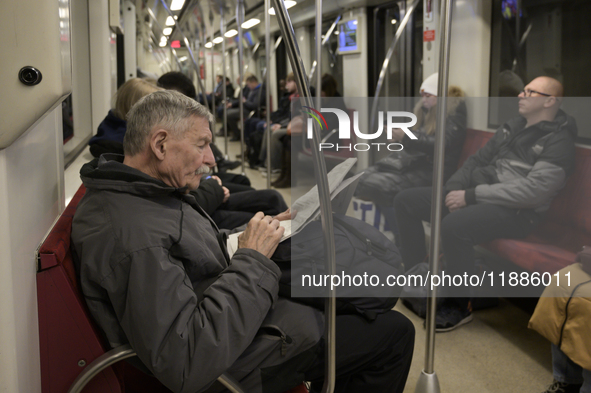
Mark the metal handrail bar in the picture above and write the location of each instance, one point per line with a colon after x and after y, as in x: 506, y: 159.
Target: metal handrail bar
x: 323, y: 189
x: 240, y: 20
x: 161, y: 60
x: 268, y: 95
x: 99, y: 364
x: 187, y: 44
x: 401, y: 27
x: 118, y: 354
x: 428, y: 382
x: 324, y: 41
x: 267, y: 79
x: 224, y: 93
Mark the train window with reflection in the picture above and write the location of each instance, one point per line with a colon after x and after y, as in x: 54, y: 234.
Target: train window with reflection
x: 332, y: 61
x: 531, y: 38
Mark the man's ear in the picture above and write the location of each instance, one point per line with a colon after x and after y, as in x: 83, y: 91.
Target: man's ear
x: 158, y: 143
x: 550, y: 101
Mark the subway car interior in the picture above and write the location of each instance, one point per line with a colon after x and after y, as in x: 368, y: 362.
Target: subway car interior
x: 252, y: 63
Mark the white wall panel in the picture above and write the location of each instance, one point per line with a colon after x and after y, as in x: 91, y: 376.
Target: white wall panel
x: 37, y: 34
x: 31, y: 197
x: 100, y: 60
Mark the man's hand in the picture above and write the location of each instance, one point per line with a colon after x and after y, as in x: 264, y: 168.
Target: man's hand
x: 275, y: 127
x: 286, y: 215
x: 217, y: 179
x: 226, y: 194
x: 262, y: 234
x: 296, y: 125
x: 228, y: 104
x: 455, y: 200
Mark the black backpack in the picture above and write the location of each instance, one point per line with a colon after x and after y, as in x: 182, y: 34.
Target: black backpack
x: 360, y: 249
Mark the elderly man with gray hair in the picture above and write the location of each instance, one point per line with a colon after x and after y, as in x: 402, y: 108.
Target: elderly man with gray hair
x: 156, y: 274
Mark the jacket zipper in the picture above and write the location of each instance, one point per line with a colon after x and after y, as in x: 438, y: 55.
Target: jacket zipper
x: 285, y: 339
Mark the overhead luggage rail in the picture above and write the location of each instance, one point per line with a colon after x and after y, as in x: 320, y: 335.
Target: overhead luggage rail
x: 321, y: 180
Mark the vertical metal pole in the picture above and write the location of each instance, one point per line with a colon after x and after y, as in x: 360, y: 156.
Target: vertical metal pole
x: 330, y: 328
x: 295, y: 59
x: 223, y: 31
x: 374, y: 108
x: 213, y: 107
x: 187, y: 44
x: 200, y: 86
x: 239, y: 21
x: 268, y: 84
x: 428, y: 381
x: 319, y: 54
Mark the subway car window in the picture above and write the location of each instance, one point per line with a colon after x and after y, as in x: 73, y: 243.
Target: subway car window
x: 533, y: 38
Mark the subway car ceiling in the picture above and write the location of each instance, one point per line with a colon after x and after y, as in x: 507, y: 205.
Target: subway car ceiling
x: 196, y: 14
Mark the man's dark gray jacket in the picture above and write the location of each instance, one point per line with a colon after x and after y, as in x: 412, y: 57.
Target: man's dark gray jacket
x: 521, y: 168
x: 155, y: 276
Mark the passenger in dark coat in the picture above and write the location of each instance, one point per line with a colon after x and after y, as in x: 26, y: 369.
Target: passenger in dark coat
x: 156, y: 273
x: 109, y: 138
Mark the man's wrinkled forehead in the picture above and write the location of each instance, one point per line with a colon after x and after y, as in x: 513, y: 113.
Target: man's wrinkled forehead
x: 201, y: 126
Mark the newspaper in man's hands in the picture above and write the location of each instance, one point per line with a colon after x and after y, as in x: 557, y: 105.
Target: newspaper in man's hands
x: 308, y: 205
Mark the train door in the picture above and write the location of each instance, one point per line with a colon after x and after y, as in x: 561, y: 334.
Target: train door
x: 405, y: 70
x: 404, y: 73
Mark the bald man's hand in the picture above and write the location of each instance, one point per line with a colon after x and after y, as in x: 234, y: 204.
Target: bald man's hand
x: 262, y: 234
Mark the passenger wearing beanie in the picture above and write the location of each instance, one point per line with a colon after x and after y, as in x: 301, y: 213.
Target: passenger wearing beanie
x: 413, y: 166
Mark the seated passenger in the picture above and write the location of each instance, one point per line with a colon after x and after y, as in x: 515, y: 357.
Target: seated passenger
x: 279, y: 121
x: 502, y: 191
x: 109, y: 138
x: 252, y: 102
x: 241, y: 90
x: 218, y: 91
x: 155, y: 274
x: 294, y: 140
x: 413, y: 167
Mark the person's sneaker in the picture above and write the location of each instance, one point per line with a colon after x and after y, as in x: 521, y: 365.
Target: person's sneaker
x: 561, y: 387
x: 274, y: 172
x: 450, y: 316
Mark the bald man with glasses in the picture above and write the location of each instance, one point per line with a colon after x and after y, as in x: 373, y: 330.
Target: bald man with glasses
x: 502, y: 191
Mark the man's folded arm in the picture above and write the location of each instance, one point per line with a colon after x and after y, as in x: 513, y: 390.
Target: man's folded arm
x: 186, y: 341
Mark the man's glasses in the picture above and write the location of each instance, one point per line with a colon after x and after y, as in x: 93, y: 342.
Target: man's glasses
x: 528, y: 93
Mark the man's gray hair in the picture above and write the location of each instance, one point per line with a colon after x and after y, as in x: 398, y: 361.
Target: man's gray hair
x: 165, y: 109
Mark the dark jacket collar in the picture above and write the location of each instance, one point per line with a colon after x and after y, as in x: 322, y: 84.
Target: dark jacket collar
x: 562, y: 122
x: 109, y: 173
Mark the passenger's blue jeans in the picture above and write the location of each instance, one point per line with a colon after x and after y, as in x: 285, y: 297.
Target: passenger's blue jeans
x: 566, y: 371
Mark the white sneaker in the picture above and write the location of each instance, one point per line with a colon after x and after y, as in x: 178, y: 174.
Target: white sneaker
x: 274, y: 172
